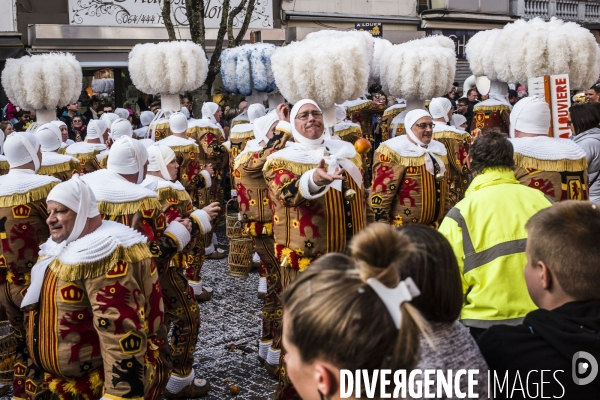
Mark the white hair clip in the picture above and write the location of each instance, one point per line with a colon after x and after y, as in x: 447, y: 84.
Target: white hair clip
x: 393, y: 298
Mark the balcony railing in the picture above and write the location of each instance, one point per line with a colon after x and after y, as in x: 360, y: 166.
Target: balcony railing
x: 582, y: 11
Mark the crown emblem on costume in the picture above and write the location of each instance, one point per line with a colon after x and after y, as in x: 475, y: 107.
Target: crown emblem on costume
x: 21, y: 211
x: 377, y: 200
x: 131, y: 343
x: 71, y: 293
x: 120, y: 269
x: 384, y: 158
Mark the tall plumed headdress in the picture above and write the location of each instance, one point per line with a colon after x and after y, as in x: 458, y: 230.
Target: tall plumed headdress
x: 528, y: 49
x: 42, y: 83
x: 420, y: 69
x: 328, y: 67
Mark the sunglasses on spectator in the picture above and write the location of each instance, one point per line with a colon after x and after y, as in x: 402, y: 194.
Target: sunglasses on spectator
x: 304, y: 115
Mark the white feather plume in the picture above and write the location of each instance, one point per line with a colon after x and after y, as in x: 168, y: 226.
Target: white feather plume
x: 327, y: 67
x: 381, y: 46
x: 528, y: 49
x: 247, y: 69
x: 42, y: 81
x: 242, y: 72
x: 168, y: 67
x: 420, y: 69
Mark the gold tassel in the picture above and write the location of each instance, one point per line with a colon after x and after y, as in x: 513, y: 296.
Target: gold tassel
x: 393, y: 112
x: 171, y: 193
x: 241, y: 135
x: 491, y: 108
x: 73, y: 272
x: 450, y: 135
x: 348, y: 131
x: 67, y: 166
x: 36, y: 194
x: 185, y: 149
x: 117, y: 209
x: 359, y: 107
x: 551, y: 165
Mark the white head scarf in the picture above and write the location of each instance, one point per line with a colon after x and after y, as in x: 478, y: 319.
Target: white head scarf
x: 2, y: 141
x: 122, y: 113
x: 77, y: 196
x: 159, y: 156
x: 262, y: 126
x: 255, y: 111
x: 530, y: 115
x: 49, y: 136
x: 58, y: 124
x: 127, y: 156
x: 298, y: 138
x: 458, y: 120
x: 146, y: 117
x: 121, y: 127
x: 109, y: 118
x: 440, y: 107
x: 409, y: 121
x: 185, y: 112
x: 22, y: 148
x: 178, y: 122
x: 340, y: 113
x: 95, y: 130
x: 208, y: 111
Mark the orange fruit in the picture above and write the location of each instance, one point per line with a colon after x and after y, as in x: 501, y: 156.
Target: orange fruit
x: 234, y: 390
x: 362, y: 146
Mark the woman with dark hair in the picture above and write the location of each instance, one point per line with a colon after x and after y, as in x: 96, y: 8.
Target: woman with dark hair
x: 423, y: 254
x: 584, y: 120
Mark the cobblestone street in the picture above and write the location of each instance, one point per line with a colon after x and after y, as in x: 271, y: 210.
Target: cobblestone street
x: 232, y: 316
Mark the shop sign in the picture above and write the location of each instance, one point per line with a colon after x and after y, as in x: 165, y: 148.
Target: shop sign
x: 374, y: 28
x: 149, y: 13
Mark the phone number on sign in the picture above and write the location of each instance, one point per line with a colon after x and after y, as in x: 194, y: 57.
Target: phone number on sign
x: 129, y: 19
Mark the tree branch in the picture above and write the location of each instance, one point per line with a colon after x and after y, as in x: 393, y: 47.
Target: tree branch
x: 166, y: 14
x: 215, y: 62
x: 194, y: 11
x: 232, y: 16
x: 245, y: 24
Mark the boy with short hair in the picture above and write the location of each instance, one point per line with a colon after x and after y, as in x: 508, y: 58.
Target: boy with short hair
x: 563, y: 280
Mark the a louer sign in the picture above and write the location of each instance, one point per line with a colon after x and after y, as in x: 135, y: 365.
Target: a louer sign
x: 149, y: 13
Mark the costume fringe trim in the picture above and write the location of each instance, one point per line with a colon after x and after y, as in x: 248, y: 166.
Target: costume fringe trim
x: 348, y: 131
x: 242, y: 159
x: 185, y: 149
x: 117, y: 209
x: 491, y: 108
x: 4, y: 165
x: 67, y: 166
x: 393, y: 112
x: 241, y: 135
x: 359, y: 107
x: 171, y: 193
x: 36, y: 194
x: 87, y: 387
x: 551, y: 165
x: 62, y: 150
x: 291, y: 258
x: 241, y: 121
x: 299, y: 169
x: 85, y: 156
x: 407, y: 161
x: 256, y: 228
x: 73, y: 272
x: 451, y: 135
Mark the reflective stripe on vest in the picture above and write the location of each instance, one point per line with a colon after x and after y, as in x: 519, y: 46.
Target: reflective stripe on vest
x: 473, y: 259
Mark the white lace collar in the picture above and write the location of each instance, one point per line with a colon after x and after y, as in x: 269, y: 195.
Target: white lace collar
x: 97, y: 245
x: 176, y: 141
x: 111, y: 187
x: 20, y: 181
x: 160, y: 183
x: 547, y: 148
x: 85, y: 147
x: 51, y: 158
x: 405, y: 148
